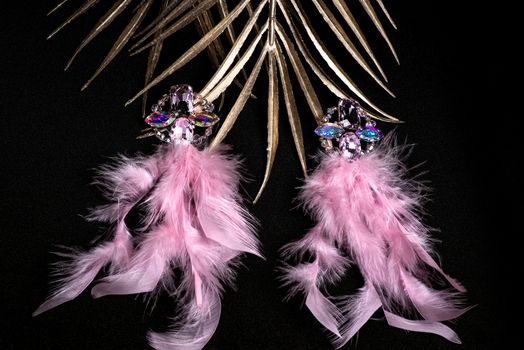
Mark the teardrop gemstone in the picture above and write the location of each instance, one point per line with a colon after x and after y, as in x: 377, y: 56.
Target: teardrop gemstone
x: 182, y: 99
x: 205, y: 120
x: 329, y: 131
x: 349, y: 145
x: 159, y: 119
x: 370, y: 134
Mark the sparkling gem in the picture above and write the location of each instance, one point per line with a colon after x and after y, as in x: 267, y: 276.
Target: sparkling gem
x: 349, y: 110
x: 326, y: 144
x: 371, y: 122
x: 201, y: 104
x: 205, y: 120
x: 370, y: 133
x: 344, y: 123
x: 349, y: 145
x: 163, y: 135
x: 370, y: 147
x: 182, y: 129
x: 208, y: 107
x: 182, y: 98
x: 183, y: 123
x: 329, y: 131
x: 331, y: 110
x: 159, y: 119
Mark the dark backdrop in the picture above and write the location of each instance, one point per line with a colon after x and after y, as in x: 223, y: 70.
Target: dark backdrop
x: 448, y: 86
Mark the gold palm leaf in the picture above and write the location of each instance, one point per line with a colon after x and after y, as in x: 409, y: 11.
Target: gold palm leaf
x: 279, y: 32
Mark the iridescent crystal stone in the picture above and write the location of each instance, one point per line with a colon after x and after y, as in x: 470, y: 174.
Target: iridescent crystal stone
x: 329, y: 131
x: 349, y: 109
x: 205, y: 120
x: 159, y: 119
x: 182, y: 98
x: 349, y: 145
x: 370, y: 133
x: 182, y: 130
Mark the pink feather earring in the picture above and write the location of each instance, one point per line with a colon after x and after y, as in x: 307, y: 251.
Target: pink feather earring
x: 194, y: 220
x: 368, y: 214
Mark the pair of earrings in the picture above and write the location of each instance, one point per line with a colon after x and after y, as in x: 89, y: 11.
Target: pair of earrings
x: 365, y: 208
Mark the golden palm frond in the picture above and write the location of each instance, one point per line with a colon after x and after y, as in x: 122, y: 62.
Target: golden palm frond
x: 279, y: 30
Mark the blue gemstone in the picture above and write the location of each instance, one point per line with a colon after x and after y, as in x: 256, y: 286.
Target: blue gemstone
x: 370, y: 134
x: 159, y: 119
x: 329, y: 131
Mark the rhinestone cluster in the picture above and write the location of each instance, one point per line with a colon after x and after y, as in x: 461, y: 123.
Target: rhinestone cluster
x: 350, y: 126
x: 181, y: 116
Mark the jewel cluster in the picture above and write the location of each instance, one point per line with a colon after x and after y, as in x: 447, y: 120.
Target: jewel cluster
x: 352, y: 126
x: 177, y: 116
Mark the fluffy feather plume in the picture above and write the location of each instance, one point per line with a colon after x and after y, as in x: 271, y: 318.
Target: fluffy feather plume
x: 124, y: 185
x: 194, y: 221
x: 369, y: 210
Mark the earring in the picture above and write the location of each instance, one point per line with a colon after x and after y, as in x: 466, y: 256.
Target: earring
x: 194, y: 221
x: 368, y: 213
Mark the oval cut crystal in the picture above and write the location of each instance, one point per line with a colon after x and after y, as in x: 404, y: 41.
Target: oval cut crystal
x: 349, y: 109
x: 205, y: 120
x: 349, y: 145
x: 182, y: 130
x: 329, y: 131
x: 370, y: 134
x: 182, y: 98
x: 159, y: 119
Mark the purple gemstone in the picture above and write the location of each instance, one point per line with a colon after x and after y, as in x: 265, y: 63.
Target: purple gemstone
x: 349, y: 109
x: 159, y: 119
x: 182, y: 129
x: 182, y: 122
x: 349, y: 145
x: 182, y: 98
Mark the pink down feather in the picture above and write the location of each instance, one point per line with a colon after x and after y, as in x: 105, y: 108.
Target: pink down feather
x: 369, y: 210
x: 194, y: 221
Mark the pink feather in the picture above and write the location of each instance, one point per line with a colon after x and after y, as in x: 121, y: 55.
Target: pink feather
x: 367, y: 209
x: 124, y: 184
x: 309, y: 278
x: 194, y: 221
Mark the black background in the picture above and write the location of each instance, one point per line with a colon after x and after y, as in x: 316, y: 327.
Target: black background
x: 449, y: 91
